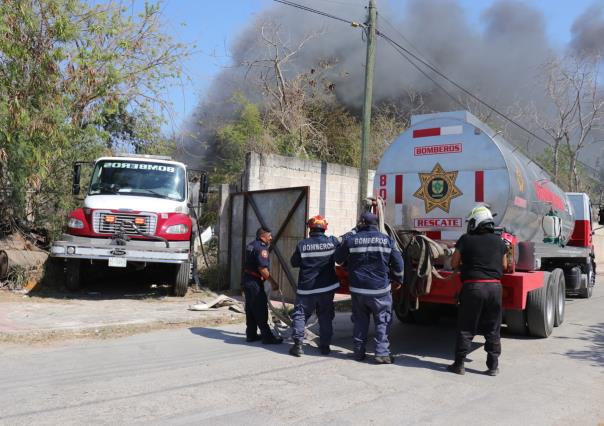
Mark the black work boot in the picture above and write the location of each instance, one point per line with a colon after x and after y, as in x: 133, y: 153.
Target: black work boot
x: 271, y: 340
x: 325, y: 349
x: 457, y: 368
x: 386, y: 359
x: 492, y: 371
x: 296, y: 349
x: 359, y: 356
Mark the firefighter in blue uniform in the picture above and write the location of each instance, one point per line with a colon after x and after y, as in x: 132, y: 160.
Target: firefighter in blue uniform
x: 256, y: 271
x: 317, y: 283
x: 372, y: 259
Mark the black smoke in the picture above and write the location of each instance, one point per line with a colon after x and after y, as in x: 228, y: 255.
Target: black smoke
x: 588, y: 31
x: 500, y: 59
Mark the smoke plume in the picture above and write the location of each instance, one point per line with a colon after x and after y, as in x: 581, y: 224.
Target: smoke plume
x: 499, y: 60
x: 588, y: 31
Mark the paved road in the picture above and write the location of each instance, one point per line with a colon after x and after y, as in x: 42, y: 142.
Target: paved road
x: 203, y: 375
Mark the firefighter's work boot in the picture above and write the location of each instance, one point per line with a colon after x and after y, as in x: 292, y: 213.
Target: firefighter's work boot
x: 457, y: 368
x: 492, y: 371
x: 386, y: 359
x: 325, y: 349
x: 253, y: 338
x: 296, y: 349
x: 359, y: 356
x: 271, y: 340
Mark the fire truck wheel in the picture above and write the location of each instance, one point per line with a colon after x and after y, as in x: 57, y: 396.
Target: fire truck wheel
x: 557, y: 279
x: 181, y: 281
x: 541, y: 309
x: 72, y: 275
x: 516, y: 322
x: 587, y: 292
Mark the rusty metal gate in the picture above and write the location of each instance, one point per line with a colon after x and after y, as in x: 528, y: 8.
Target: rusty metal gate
x: 284, y: 211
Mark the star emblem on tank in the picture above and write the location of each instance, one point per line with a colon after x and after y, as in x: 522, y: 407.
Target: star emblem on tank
x: 438, y: 189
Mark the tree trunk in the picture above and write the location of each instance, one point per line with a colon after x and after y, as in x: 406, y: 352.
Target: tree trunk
x: 572, y: 172
x: 556, y: 154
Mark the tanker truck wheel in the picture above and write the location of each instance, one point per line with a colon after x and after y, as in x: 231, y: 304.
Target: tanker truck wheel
x: 587, y: 292
x: 73, y: 268
x: 541, y: 309
x: 181, y: 281
x: 557, y: 279
x: 516, y: 321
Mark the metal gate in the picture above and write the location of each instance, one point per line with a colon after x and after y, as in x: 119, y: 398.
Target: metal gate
x: 284, y: 211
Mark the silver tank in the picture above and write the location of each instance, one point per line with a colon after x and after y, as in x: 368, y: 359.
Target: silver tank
x: 445, y: 163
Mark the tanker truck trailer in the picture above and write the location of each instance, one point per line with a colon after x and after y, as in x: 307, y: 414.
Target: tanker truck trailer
x: 444, y: 164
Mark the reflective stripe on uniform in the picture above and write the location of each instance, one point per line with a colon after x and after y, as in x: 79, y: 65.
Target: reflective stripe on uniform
x: 319, y: 290
x: 368, y: 249
x: 368, y: 291
x: 399, y: 274
x: 317, y: 253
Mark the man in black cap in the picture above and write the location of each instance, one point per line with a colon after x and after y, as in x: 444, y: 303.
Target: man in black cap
x: 257, y: 270
x: 372, y: 256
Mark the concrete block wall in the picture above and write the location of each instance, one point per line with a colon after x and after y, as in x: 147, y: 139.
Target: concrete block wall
x: 333, y: 187
x: 598, y: 240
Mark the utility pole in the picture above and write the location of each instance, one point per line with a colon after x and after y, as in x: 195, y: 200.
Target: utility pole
x: 370, y: 27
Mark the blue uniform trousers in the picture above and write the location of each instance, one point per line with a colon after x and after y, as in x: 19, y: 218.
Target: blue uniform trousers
x: 304, y: 307
x: 380, y: 307
x: 256, y: 309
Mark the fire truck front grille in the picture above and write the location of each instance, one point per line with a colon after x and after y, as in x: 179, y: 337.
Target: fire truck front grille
x: 109, y: 223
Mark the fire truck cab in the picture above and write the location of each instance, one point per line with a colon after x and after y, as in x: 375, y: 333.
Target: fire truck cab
x: 137, y: 211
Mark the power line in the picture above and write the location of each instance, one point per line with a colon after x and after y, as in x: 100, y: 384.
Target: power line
x: 429, y: 77
x: 315, y: 11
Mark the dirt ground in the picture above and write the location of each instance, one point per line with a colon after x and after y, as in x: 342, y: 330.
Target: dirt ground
x: 110, y: 305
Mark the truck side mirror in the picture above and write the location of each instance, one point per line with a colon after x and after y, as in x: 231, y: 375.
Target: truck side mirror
x: 203, y: 188
x: 75, y: 185
x: 601, y: 216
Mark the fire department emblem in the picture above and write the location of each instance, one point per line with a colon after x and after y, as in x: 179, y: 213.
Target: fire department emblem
x: 438, y: 189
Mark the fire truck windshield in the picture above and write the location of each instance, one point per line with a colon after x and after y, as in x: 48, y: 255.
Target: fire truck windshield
x: 145, y: 179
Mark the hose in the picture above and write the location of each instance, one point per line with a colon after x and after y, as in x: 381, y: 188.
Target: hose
x: 419, y: 253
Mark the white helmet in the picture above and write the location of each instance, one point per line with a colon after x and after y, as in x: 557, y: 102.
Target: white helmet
x: 479, y: 216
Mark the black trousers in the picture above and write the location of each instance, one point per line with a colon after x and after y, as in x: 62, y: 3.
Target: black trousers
x: 256, y: 308
x: 479, y: 313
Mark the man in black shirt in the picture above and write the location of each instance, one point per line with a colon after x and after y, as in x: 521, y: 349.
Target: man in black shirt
x: 480, y: 257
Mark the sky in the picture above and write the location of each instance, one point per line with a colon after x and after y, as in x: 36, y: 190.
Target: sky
x: 213, y: 25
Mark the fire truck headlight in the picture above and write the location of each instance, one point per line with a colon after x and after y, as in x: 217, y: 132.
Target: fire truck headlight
x: 75, y: 223
x: 71, y: 250
x: 177, y: 229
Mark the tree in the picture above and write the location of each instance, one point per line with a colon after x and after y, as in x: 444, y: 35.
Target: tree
x: 234, y: 139
x: 576, y: 108
x: 74, y: 78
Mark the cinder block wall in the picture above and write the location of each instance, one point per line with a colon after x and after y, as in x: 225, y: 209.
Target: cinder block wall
x: 598, y: 239
x: 333, y: 187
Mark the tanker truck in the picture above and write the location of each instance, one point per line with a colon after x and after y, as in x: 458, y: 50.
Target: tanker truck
x: 139, y: 212
x: 430, y: 178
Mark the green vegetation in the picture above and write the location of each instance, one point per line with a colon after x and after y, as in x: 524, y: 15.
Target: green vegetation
x: 76, y: 80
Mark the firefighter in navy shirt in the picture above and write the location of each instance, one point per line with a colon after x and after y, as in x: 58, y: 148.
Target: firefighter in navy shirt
x: 372, y: 257
x: 480, y: 255
x: 256, y: 271
x: 317, y: 283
